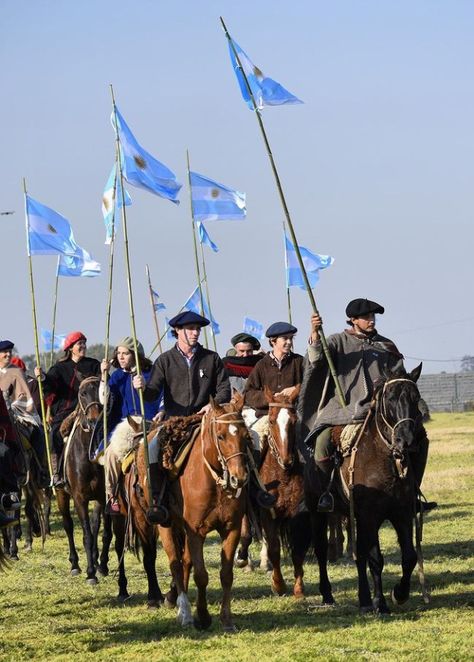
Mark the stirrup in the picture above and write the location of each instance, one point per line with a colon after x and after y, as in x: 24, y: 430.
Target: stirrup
x: 326, y: 503
x: 158, y: 514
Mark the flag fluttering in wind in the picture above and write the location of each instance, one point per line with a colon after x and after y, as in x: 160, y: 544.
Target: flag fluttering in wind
x: 204, y: 237
x: 215, y: 202
x: 50, y: 343
x: 266, y: 91
x: 108, y: 201
x: 169, y: 331
x: 49, y: 233
x: 194, y: 304
x: 81, y: 265
x: 313, y: 263
x: 253, y: 327
x: 157, y: 304
x: 141, y: 169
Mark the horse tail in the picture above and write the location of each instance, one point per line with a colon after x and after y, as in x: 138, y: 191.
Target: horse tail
x: 34, y: 510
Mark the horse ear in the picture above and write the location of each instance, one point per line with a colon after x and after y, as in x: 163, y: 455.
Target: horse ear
x: 237, y: 400
x: 268, y: 394
x: 416, y: 372
x: 295, y: 393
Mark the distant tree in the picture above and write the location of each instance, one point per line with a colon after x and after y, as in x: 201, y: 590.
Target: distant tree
x: 467, y: 363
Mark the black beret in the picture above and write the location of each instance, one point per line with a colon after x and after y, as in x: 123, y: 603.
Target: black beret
x: 245, y: 337
x: 188, y: 317
x: 359, y: 307
x: 280, y: 329
x: 6, y: 344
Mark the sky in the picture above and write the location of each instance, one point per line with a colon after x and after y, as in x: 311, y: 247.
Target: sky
x: 377, y: 166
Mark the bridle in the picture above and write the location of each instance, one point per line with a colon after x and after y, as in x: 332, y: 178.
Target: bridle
x: 226, y: 481
x: 271, y: 439
x: 84, y: 409
x: 381, y: 409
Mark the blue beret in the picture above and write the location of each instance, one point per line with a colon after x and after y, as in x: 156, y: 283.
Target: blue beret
x: 280, y: 329
x: 6, y: 344
x: 188, y: 317
x: 358, y: 307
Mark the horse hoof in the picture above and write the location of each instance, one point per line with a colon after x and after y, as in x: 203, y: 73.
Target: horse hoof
x: 153, y: 604
x: 13, y: 557
x: 279, y: 591
x: 75, y: 572
x: 202, y: 623
x: 104, y: 571
x: 122, y: 598
x: 241, y: 563
x: 169, y: 604
x: 229, y: 629
x: 92, y: 581
x: 397, y: 599
x: 366, y: 611
x: 28, y: 548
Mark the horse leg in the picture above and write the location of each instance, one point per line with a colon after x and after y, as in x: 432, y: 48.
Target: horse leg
x: 82, y: 509
x: 176, y: 595
x: 202, y: 620
x: 155, y: 597
x: 103, y: 566
x: 242, y: 557
x: 319, y: 524
x: 229, y: 545
x: 365, y: 542
x: 300, y: 540
x: 272, y: 529
x: 95, y: 527
x: 119, y: 531
x: 64, y: 507
x: 404, y: 529
x: 376, y: 563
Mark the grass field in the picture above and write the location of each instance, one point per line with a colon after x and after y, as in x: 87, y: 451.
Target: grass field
x: 46, y: 614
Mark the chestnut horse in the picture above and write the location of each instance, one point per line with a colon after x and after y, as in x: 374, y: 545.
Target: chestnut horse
x: 208, y: 496
x: 378, y: 473
x: 85, y: 483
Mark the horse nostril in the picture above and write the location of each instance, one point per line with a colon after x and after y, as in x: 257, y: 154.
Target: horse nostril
x: 234, y: 482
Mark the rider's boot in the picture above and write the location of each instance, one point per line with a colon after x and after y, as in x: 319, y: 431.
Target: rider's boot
x: 6, y: 521
x: 324, y: 460
x: 158, y: 512
x: 57, y: 479
x: 257, y: 491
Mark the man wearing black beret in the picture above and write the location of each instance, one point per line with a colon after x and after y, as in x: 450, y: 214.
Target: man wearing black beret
x: 243, y: 359
x: 361, y: 357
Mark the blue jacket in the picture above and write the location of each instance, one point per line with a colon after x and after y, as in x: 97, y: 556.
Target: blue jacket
x: 125, y: 398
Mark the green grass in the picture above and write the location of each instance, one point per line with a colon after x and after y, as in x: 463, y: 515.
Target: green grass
x: 46, y: 614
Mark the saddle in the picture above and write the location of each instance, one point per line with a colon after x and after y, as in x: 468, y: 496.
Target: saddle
x: 344, y: 436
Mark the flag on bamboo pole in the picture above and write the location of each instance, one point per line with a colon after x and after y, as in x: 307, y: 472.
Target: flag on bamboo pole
x: 50, y: 343
x: 49, y: 233
x: 194, y: 304
x: 313, y: 264
x: 253, y: 327
x: 266, y: 91
x: 169, y: 331
x: 204, y: 237
x: 81, y: 265
x: 157, y: 304
x: 141, y: 169
x: 215, y: 202
x: 108, y: 202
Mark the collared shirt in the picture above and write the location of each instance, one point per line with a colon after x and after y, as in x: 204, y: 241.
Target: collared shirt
x: 188, y: 359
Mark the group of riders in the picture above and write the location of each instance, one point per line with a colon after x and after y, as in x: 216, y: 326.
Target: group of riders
x: 182, y: 381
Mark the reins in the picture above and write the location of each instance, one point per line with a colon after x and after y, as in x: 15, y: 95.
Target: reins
x: 271, y: 439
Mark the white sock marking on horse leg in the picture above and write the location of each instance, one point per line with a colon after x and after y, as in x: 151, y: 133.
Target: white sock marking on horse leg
x: 184, y: 610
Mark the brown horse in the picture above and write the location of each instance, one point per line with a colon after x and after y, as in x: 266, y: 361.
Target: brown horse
x: 208, y: 496
x: 379, y: 474
x: 85, y: 483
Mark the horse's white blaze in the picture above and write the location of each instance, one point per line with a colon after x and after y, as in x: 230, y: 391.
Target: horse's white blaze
x: 233, y: 429
x: 185, y: 616
x: 282, y: 420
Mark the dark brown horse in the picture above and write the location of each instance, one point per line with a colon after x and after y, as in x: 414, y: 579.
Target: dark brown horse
x: 84, y: 483
x: 282, y: 474
x: 379, y: 475
x: 208, y: 496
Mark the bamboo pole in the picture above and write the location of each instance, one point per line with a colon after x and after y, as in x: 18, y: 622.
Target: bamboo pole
x: 196, y: 258
x: 288, y: 295
x: 208, y: 298
x: 155, y: 316
x: 37, y: 352
x: 131, y: 305
x: 287, y: 217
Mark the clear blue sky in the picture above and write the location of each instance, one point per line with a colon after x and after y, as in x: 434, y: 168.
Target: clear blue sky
x: 377, y: 166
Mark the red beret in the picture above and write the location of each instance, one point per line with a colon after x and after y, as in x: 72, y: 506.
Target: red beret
x: 15, y: 360
x: 73, y: 337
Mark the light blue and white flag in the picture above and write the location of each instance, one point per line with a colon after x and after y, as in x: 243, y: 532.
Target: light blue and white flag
x: 253, y: 328
x: 313, y: 263
x: 108, y: 206
x: 266, y: 91
x: 48, y: 232
x: 141, y: 169
x: 169, y: 331
x: 81, y: 265
x: 157, y: 304
x: 194, y: 304
x: 215, y: 202
x: 204, y: 237
x: 48, y: 342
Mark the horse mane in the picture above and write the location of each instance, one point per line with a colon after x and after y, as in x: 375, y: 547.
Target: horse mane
x: 174, y: 433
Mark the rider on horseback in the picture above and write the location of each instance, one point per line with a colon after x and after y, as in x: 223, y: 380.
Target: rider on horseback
x: 241, y: 359
x: 361, y: 357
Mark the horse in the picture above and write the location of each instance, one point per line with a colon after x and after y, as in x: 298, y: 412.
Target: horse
x: 375, y: 483
x: 84, y: 483
x: 208, y: 495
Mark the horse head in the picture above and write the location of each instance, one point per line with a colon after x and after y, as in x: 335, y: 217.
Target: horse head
x: 282, y: 424
x: 228, y: 440
x: 88, y: 400
x: 397, y: 401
